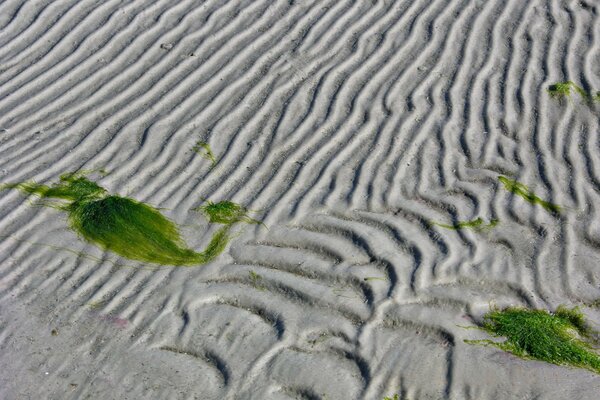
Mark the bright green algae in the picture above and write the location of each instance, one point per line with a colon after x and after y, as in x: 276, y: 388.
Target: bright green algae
x: 477, y: 224
x: 226, y: 212
x: 561, y: 90
x: 560, y: 338
x: 523, y: 191
x: 125, y: 226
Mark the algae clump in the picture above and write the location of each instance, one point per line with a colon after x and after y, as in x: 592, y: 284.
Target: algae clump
x: 560, y: 338
x: 226, y: 212
x: 130, y: 228
x: 563, y: 89
x: 205, y: 151
x: 523, y: 191
x: 476, y: 224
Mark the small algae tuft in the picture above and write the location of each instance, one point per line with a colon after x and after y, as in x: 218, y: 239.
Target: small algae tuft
x: 226, y: 212
x: 560, y: 338
x: 476, y: 224
x: 205, y: 151
x: 395, y: 397
x: 130, y: 228
x: 320, y: 338
x: 594, y: 304
x: 256, y: 280
x: 523, y: 191
x: 563, y: 89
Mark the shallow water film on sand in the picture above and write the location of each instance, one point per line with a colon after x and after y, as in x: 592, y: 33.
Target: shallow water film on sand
x: 248, y: 199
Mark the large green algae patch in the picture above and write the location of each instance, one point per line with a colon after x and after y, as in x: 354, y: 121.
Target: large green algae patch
x: 560, y: 338
x: 523, y: 191
x: 130, y: 228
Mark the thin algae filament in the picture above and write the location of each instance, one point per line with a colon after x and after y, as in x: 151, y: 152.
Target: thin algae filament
x: 477, y: 224
x: 130, y: 228
x: 523, y: 191
x: 205, y: 151
x: 560, y: 338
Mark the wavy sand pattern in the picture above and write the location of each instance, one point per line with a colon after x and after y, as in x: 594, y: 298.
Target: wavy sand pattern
x: 355, y: 131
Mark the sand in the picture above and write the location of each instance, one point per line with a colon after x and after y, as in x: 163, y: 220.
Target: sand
x: 348, y: 128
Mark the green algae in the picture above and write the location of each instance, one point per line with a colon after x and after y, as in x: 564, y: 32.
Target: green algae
x: 137, y: 231
x: 523, y: 191
x: 256, y: 280
x: 374, y: 278
x: 594, y: 304
x: 73, y: 187
x: 127, y: 227
x: 226, y: 212
x: 563, y: 89
x: 205, y: 151
x: 395, y: 397
x: 560, y: 338
x: 477, y: 224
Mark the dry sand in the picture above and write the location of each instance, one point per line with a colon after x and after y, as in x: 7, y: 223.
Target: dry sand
x: 346, y: 126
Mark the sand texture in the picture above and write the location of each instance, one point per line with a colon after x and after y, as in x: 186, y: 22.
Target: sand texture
x: 368, y: 137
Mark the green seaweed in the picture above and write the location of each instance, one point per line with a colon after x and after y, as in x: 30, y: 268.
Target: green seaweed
x: 523, y: 191
x: 256, y: 280
x: 205, y: 151
x: 320, y: 338
x: 132, y: 229
x: 560, y: 338
x: 226, y: 212
x: 594, y: 304
x: 74, y: 188
x: 560, y: 90
x: 374, y: 278
x: 477, y: 224
x: 395, y: 397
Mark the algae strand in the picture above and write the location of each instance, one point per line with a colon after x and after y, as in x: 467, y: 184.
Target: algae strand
x: 205, y: 151
x: 477, y: 224
x: 523, y: 191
